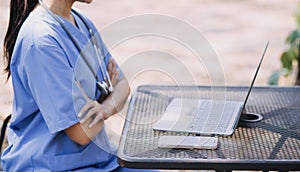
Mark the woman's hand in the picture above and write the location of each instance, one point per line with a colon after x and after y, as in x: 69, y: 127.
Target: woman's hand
x: 112, y: 71
x: 94, y: 113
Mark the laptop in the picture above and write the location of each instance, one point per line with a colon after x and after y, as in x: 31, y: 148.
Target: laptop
x: 204, y: 116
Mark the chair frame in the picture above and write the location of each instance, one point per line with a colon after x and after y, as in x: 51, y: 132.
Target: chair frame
x: 3, y: 130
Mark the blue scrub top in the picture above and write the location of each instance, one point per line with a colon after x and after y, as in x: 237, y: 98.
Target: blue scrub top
x: 45, y: 67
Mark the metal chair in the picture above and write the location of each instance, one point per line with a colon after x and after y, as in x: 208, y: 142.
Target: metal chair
x: 3, y: 130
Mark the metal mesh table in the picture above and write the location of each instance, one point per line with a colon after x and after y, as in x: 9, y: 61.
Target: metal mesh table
x: 271, y: 144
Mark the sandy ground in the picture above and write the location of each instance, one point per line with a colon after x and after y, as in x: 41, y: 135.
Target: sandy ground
x: 236, y: 29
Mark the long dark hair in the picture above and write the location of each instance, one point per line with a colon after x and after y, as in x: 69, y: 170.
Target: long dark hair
x: 19, y: 11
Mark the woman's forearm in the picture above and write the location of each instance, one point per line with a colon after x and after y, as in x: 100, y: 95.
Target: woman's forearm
x: 117, y: 99
x: 82, y: 132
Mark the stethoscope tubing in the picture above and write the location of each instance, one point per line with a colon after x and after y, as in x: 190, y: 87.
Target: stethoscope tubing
x: 94, y: 42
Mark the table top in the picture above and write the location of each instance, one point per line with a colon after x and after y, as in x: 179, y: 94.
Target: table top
x: 271, y: 144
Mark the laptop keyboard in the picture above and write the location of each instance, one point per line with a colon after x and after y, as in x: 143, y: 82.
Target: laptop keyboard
x: 213, y: 117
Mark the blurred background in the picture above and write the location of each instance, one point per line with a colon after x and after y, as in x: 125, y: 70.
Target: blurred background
x: 236, y: 30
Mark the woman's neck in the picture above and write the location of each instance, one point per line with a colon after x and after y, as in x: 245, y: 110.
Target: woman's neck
x: 61, y: 8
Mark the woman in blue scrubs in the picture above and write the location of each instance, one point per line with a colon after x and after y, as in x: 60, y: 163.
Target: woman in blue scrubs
x: 57, y: 118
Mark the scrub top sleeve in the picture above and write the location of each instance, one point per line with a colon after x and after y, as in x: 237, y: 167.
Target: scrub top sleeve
x: 50, y: 81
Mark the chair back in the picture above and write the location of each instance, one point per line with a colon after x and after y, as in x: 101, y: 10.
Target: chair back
x: 3, y: 130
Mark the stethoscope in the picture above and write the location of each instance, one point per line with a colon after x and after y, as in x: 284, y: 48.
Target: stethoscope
x: 101, y: 85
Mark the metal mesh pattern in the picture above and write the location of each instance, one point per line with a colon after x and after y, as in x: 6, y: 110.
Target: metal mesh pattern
x: 277, y: 136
